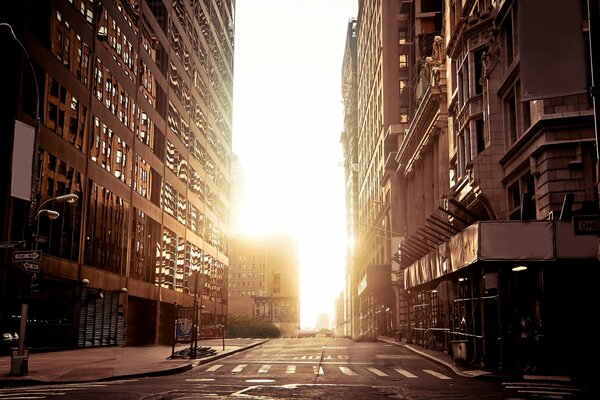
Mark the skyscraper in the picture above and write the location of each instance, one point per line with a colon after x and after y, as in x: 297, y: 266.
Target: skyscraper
x: 134, y: 101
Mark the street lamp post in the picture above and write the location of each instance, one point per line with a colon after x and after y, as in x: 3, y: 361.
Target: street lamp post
x: 20, y: 361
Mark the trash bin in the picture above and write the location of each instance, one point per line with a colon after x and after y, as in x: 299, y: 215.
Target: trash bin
x: 19, y: 364
x: 459, y: 351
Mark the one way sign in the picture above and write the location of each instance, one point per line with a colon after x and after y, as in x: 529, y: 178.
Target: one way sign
x: 32, y: 255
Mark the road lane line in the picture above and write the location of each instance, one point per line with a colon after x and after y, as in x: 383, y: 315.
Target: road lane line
x: 264, y: 369
x: 436, y: 374
x: 214, y: 368
x: 239, y: 368
x: 377, y: 372
x: 318, y: 370
x: 405, y: 373
x: 347, y: 371
x: 291, y: 369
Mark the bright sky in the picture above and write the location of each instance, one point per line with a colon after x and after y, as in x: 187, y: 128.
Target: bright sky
x: 287, y: 120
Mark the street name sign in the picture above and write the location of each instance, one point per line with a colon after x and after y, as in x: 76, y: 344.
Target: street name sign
x: 12, y: 244
x: 32, y: 255
x: 586, y: 224
x: 30, y: 266
x: 40, y: 239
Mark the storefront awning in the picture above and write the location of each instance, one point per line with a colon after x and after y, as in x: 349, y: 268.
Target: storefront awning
x: 377, y: 279
x: 502, y: 241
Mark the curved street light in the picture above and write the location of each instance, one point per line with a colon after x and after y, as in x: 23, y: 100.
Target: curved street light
x: 19, y: 364
x: 67, y: 198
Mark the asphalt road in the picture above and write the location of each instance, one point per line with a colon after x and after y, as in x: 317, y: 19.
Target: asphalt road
x: 315, y: 368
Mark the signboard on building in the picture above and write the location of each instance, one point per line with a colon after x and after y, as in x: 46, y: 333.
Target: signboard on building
x: 586, y: 224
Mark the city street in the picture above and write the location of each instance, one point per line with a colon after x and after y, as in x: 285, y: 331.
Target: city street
x: 313, y: 368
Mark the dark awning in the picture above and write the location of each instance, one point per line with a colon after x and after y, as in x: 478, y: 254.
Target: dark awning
x: 501, y: 241
x: 377, y: 279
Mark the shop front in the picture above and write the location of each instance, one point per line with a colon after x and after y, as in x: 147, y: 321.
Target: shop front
x: 508, y: 295
x: 376, y: 303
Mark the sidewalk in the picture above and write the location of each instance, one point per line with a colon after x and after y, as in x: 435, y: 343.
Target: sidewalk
x: 468, y: 370
x: 440, y: 357
x: 115, y: 362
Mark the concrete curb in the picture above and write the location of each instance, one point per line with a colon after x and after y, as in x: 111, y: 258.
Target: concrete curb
x: 208, y: 359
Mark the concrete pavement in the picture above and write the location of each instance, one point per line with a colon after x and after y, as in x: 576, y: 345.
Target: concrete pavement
x: 115, y: 362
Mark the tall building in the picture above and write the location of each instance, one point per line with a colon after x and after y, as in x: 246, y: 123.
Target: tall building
x: 349, y: 141
x: 382, y: 111
x: 323, y: 322
x: 130, y: 104
x: 264, y: 280
x: 496, y: 166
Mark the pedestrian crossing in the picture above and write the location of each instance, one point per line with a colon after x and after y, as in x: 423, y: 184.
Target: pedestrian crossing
x: 43, y: 392
x: 324, y: 370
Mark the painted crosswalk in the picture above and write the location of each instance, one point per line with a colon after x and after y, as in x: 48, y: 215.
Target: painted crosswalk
x: 320, y: 370
x: 46, y: 391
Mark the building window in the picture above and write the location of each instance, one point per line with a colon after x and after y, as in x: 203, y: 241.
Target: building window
x: 478, y: 73
x: 480, y: 135
x: 521, y: 198
x: 508, y: 38
x: 517, y: 115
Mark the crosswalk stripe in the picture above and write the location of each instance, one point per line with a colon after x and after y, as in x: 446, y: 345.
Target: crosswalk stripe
x: 405, y: 373
x: 318, y: 370
x: 214, y: 368
x: 239, y: 368
x: 377, y: 372
x: 291, y: 369
x: 347, y: 371
x: 18, y: 397
x: 436, y: 374
x: 264, y: 369
x: 546, y: 392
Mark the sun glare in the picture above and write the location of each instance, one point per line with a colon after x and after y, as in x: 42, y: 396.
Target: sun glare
x: 287, y: 123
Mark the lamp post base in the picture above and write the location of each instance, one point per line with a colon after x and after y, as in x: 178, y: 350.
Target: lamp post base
x: 19, y: 363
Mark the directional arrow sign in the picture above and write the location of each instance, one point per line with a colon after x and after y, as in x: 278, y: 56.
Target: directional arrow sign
x: 30, y: 266
x: 33, y: 255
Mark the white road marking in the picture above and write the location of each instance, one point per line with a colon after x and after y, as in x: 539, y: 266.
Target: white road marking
x: 318, y: 370
x: 291, y: 369
x: 405, y: 373
x: 396, y: 357
x: 214, y: 368
x: 239, y: 368
x: 264, y: 369
x: 200, y: 379
x: 436, y: 374
x: 347, y: 371
x: 560, y: 378
x: 18, y: 397
x: 377, y: 372
x: 546, y: 392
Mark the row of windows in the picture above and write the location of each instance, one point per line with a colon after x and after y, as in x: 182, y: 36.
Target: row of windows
x: 245, y: 284
x: 180, y: 167
x: 243, y: 267
x: 65, y: 115
x: 69, y: 48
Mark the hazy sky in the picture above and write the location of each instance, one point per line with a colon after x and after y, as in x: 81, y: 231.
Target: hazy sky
x: 287, y: 120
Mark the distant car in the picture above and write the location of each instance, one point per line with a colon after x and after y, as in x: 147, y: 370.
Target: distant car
x: 9, y: 340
